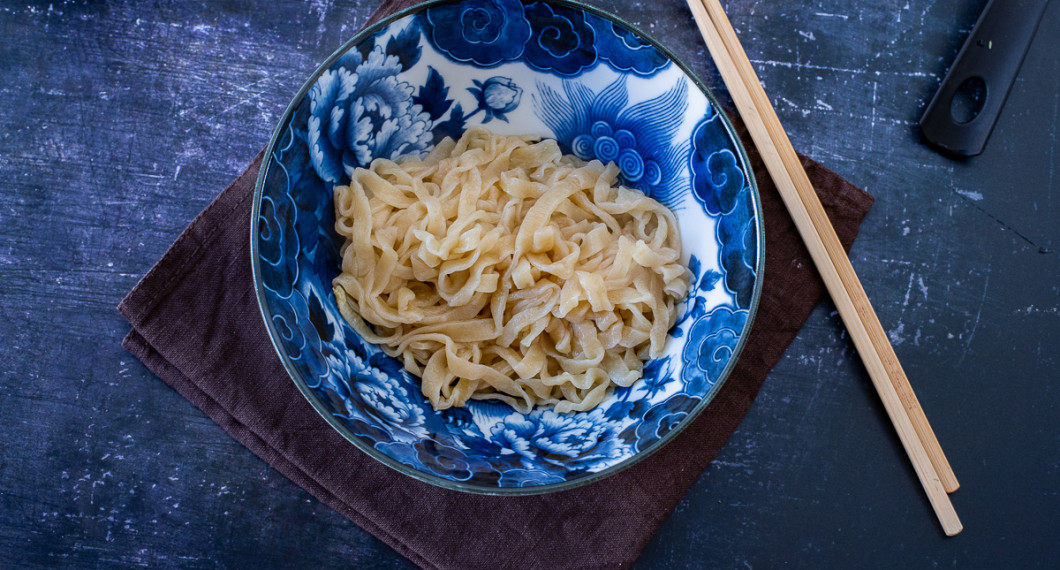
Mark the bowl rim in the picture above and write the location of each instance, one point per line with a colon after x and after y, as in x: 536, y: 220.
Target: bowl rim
x: 464, y: 486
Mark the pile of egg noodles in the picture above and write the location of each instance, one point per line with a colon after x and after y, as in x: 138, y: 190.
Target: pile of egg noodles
x: 498, y: 268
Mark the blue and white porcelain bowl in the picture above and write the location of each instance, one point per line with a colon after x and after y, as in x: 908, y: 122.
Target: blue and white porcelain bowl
x: 555, y: 69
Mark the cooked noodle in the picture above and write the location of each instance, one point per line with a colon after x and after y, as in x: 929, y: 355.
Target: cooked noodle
x: 498, y: 268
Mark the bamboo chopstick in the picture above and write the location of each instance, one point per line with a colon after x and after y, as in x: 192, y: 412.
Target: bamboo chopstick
x: 831, y: 260
x: 874, y: 330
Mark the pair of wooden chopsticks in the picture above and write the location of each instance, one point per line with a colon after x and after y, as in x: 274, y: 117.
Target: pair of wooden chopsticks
x: 831, y: 260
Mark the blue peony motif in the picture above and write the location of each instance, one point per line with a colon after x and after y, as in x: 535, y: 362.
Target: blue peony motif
x: 568, y: 441
x: 360, y: 380
x: 361, y: 426
x: 640, y: 138
x: 375, y: 395
x: 360, y: 111
x: 561, y: 40
x: 484, y: 32
x: 385, y: 398
x: 705, y: 361
x: 626, y: 51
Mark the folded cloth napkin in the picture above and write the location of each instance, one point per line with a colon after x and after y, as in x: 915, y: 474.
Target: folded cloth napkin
x: 196, y: 324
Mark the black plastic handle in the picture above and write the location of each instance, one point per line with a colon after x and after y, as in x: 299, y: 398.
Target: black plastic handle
x: 962, y: 114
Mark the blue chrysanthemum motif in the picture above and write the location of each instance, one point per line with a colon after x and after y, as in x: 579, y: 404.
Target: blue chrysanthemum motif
x: 604, y: 93
x: 278, y: 243
x: 663, y: 418
x: 428, y: 455
x: 738, y: 235
x: 717, y: 178
x: 625, y: 50
x: 704, y: 362
x: 639, y: 138
x: 359, y: 111
x: 484, y: 32
x: 292, y: 317
x: 719, y: 183
x: 561, y: 40
x: 550, y: 37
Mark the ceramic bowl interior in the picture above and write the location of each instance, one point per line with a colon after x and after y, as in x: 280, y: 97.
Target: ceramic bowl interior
x: 559, y: 70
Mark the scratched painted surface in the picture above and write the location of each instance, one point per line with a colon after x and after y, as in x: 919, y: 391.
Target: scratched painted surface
x: 119, y: 121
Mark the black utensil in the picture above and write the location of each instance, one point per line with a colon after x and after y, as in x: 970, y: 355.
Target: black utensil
x: 962, y: 114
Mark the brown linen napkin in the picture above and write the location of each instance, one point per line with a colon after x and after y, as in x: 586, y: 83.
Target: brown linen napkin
x: 196, y: 324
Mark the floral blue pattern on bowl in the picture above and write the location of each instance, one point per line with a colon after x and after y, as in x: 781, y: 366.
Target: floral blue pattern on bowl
x: 558, y: 70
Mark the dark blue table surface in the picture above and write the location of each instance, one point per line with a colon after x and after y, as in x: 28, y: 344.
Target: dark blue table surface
x: 119, y: 122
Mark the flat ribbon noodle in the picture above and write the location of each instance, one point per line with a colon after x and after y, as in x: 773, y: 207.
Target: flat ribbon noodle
x: 499, y: 268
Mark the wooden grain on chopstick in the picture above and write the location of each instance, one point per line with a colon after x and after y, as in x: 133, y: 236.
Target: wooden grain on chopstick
x: 839, y: 277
